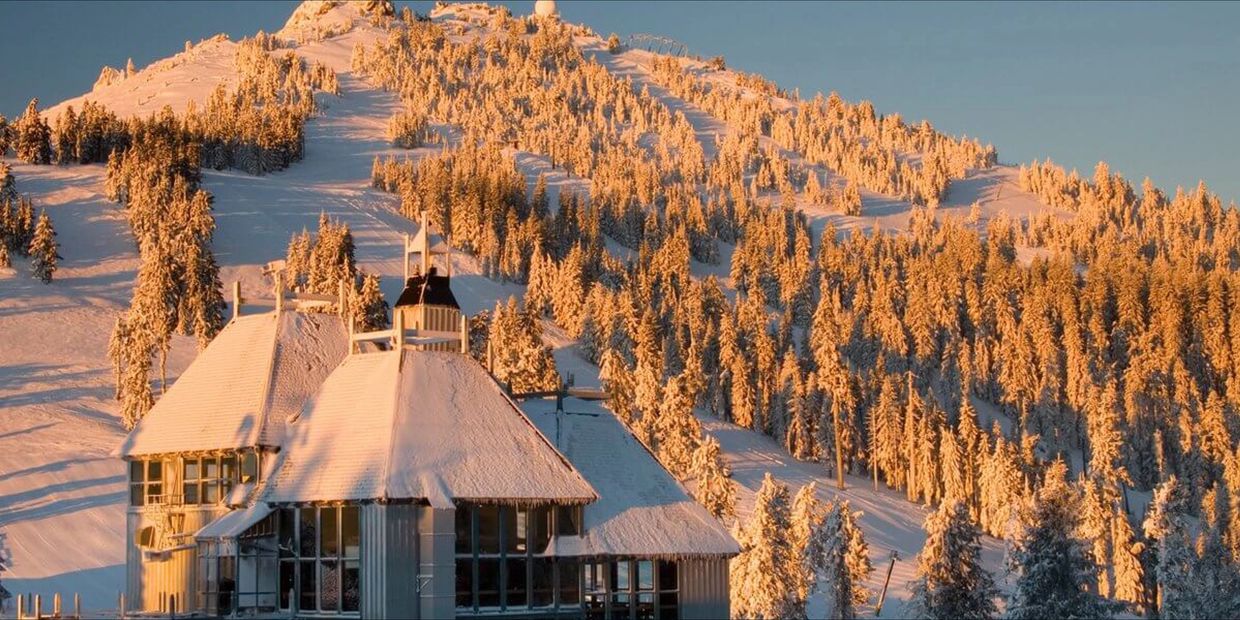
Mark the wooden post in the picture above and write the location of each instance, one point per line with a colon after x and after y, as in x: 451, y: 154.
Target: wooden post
x: 426, y: 245
x: 279, y: 285
x: 404, y: 257
x: 38, y: 606
x: 398, y: 330
x: 77, y: 605
x: 464, y: 335
x: 56, y: 605
x: 21, y: 606
x: 120, y: 607
x: 878, y: 610
x: 236, y: 299
x: 342, y: 294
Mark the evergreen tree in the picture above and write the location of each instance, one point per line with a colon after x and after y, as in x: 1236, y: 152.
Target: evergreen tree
x: 951, y: 581
x: 367, y: 307
x: 841, y: 560
x: 1165, y: 527
x: 43, y: 247
x: 807, y: 519
x: 677, y: 432
x: 713, y: 487
x: 759, y: 576
x: 32, y: 143
x: 1055, y: 575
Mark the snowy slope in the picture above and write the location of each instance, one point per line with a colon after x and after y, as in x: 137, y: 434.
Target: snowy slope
x: 62, y: 496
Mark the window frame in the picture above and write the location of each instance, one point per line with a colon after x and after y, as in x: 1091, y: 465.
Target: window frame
x: 293, y: 559
x: 522, y: 537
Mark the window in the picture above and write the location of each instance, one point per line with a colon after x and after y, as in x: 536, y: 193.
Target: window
x: 146, y: 482
x: 501, y: 563
x: 209, y: 479
x: 631, y: 590
x: 568, y: 520
x: 217, y: 579
x: 320, y: 558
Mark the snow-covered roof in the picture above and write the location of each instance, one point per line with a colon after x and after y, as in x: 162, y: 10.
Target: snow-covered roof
x: 419, y: 425
x: 642, y: 510
x: 235, y: 523
x: 257, y: 371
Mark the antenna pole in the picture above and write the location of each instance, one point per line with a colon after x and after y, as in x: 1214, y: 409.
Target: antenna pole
x: 236, y: 294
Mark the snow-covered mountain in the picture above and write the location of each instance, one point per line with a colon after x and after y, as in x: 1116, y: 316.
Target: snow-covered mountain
x: 62, y: 494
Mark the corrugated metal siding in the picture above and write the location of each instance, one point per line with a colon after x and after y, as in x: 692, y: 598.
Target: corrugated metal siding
x: 434, y: 318
x: 374, y: 563
x: 438, y: 560
x: 402, y: 561
x: 389, y: 561
x: 704, y: 589
x: 151, y: 583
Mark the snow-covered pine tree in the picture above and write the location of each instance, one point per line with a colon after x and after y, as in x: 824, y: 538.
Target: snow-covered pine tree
x: 43, y: 250
x: 807, y: 517
x: 619, y: 384
x: 1055, y: 573
x: 1216, y: 574
x: 4, y: 136
x: 677, y: 433
x: 367, y: 307
x: 759, y: 576
x: 131, y: 350
x: 8, y: 185
x: 841, y: 560
x: 1166, y: 529
x: 1126, y: 552
x: 22, y: 228
x: 33, y: 137
x: 713, y: 487
x: 951, y: 581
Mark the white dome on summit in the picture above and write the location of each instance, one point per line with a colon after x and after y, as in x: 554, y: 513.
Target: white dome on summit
x: 546, y: 8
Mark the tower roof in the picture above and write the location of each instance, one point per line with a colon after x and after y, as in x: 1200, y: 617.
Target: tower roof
x: 431, y: 289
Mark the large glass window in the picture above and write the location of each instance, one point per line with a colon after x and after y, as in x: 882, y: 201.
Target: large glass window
x: 501, y: 561
x: 146, y: 482
x: 320, y: 559
x: 631, y: 590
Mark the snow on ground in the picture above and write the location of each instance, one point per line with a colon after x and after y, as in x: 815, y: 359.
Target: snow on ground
x: 62, y: 496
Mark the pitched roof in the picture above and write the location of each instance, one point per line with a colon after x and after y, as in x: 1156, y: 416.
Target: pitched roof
x: 256, y: 372
x: 418, y: 425
x: 433, y: 290
x: 642, y: 510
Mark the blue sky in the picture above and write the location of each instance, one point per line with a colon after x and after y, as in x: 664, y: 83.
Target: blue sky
x: 1152, y: 88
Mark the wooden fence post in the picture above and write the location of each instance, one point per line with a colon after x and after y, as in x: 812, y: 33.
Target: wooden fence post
x: 21, y: 606
x: 38, y: 606
x: 77, y: 605
x: 120, y: 606
x: 56, y: 605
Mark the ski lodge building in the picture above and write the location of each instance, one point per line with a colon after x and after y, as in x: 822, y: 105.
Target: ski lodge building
x: 298, y: 469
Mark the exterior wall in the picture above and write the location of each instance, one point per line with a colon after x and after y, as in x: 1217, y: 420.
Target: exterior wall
x: 152, y: 582
x: 704, y: 589
x: 434, y: 318
x: 437, y: 543
x: 389, y: 560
